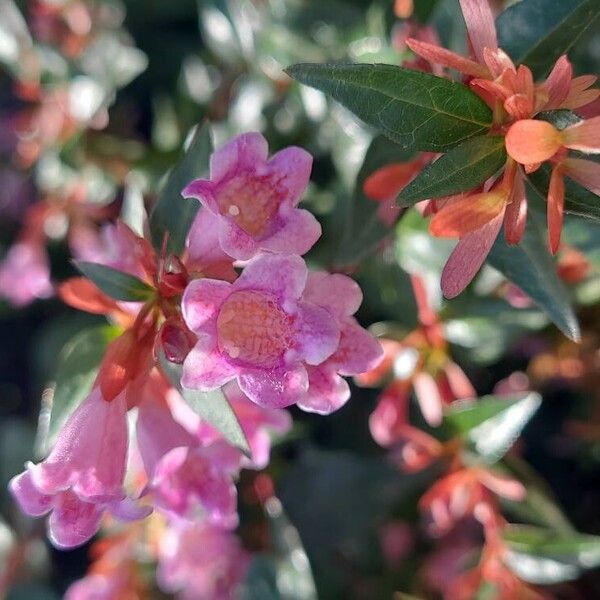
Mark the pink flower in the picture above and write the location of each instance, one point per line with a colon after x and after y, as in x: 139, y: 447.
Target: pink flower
x: 201, y: 562
x: 257, y: 422
x: 184, y: 477
x: 25, y: 273
x: 83, y: 475
x: 255, y: 198
x: 358, y: 351
x: 257, y: 330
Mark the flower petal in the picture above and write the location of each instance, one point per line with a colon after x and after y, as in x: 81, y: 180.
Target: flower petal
x: 468, y: 256
x: 275, y: 388
x: 282, y: 275
x: 327, y: 391
x: 317, y: 335
x: 235, y: 242
x: 244, y: 152
x: 558, y: 83
x: 584, y: 136
x: 201, y: 302
x: 30, y: 499
x: 480, y: 26
x: 205, y: 368
x: 515, y: 217
x: 73, y: 521
x: 293, y: 166
x: 584, y: 172
x: 338, y: 293
x: 556, y: 203
x: 428, y: 397
x: 531, y: 141
x: 298, y: 234
x: 357, y: 352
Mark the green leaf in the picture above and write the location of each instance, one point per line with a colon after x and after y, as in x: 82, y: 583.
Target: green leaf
x: 172, y: 213
x: 537, y: 32
x: 531, y: 268
x: 416, y: 110
x: 492, y: 423
x: 77, y: 368
x: 362, y: 228
x: 461, y: 169
x: 116, y: 284
x: 213, y: 407
x: 543, y: 556
x: 133, y: 211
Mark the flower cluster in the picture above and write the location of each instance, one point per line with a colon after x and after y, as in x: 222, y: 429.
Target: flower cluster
x: 272, y: 336
x: 518, y: 103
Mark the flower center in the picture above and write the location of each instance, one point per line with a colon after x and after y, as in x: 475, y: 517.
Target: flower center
x: 251, y: 202
x: 253, y: 328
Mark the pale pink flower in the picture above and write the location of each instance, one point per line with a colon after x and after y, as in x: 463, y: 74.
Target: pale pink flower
x: 257, y: 330
x: 25, y: 273
x: 357, y: 352
x: 255, y: 199
x: 185, y: 478
x: 83, y: 475
x: 198, y: 561
x: 258, y: 423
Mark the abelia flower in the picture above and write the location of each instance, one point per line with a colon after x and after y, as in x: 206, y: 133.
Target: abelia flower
x: 254, y: 199
x: 358, y: 351
x: 83, y: 475
x: 198, y: 561
x: 184, y: 478
x: 257, y: 330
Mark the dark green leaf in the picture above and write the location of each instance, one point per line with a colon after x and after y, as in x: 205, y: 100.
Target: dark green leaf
x: 461, y: 169
x: 116, y: 284
x: 172, y: 213
x: 543, y: 556
x: 492, y: 424
x: 77, y: 368
x: 213, y: 407
x: 416, y: 110
x: 530, y: 267
x: 537, y: 32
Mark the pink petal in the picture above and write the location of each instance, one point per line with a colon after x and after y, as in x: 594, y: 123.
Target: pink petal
x: 298, y: 234
x: 128, y: 510
x: 31, y: 501
x: 459, y: 383
x: 205, y: 368
x: 358, y: 350
x: 275, y: 388
x: 502, y: 485
x: 201, y: 303
x: 584, y: 136
x: 318, y: 335
x: 558, y: 82
x: 90, y: 451
x: 480, y: 26
x: 293, y: 165
x: 327, y: 391
x: 584, y: 172
x: 555, y: 208
x: 468, y: 256
x: 245, y: 152
x: 235, y: 242
x: 73, y: 521
x: 203, y: 240
x: 203, y: 190
x: 284, y: 276
x: 497, y: 61
x: 428, y: 397
x: 338, y: 293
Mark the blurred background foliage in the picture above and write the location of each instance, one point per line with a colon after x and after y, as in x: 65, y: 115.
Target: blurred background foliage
x: 223, y: 60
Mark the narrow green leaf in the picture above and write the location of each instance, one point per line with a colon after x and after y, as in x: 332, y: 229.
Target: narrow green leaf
x: 172, y: 213
x: 416, y: 110
x: 211, y: 406
x: 116, y: 284
x: 77, y: 368
x: 492, y: 424
x: 530, y: 267
x: 543, y: 556
x: 462, y: 168
x: 537, y: 32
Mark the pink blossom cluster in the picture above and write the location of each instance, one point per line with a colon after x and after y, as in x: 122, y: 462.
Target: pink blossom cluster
x: 272, y: 336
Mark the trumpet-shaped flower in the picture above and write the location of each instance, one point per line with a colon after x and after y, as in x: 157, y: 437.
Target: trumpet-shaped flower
x: 257, y: 330
x: 255, y: 199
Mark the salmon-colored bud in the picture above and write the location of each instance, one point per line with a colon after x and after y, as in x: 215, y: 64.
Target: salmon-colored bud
x: 531, y: 141
x: 387, y: 182
x: 468, y: 213
x: 403, y: 8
